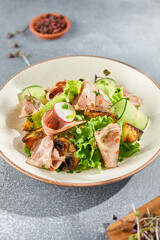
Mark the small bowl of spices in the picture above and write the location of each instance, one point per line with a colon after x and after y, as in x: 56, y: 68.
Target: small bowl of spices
x: 49, y: 25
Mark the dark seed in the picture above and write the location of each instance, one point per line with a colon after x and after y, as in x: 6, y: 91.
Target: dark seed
x: 135, y: 226
x: 10, y: 55
x: 69, y: 160
x: 115, y: 217
x: 15, y: 45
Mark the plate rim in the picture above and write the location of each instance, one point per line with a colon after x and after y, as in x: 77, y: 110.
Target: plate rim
x: 68, y: 184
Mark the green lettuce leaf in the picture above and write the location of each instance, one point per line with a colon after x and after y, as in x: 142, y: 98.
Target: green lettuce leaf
x: 73, y: 86
x: 128, y: 149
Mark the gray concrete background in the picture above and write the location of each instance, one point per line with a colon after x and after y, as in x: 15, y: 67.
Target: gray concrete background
x: 126, y: 30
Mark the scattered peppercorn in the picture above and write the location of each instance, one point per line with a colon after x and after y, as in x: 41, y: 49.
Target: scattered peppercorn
x: 10, y: 35
x: 15, y: 45
x: 50, y: 24
x: 10, y: 55
x: 115, y: 217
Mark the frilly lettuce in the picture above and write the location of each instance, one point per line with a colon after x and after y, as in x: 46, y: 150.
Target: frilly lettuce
x: 128, y: 149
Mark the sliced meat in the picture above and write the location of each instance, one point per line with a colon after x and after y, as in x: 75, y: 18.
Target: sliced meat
x: 43, y: 154
x: 132, y: 98
x: 93, y: 112
x: 100, y: 102
x: 57, y: 159
x: 30, y: 107
x: 108, y: 140
x: 86, y: 97
x: 53, y: 125
x: 57, y: 88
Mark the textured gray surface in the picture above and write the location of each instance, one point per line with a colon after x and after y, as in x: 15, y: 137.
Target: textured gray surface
x: 127, y: 30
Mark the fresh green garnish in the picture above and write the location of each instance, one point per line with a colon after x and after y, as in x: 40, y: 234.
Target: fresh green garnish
x: 43, y: 165
x: 117, y: 95
x: 58, y: 170
x: 65, y: 106
x: 30, y: 119
x: 70, y: 171
x: 139, y: 136
x: 27, y: 151
x: 31, y: 128
x: 97, y: 93
x: 120, y: 159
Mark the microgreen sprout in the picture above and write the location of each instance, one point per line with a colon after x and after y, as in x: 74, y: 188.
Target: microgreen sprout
x: 145, y: 227
x: 24, y: 56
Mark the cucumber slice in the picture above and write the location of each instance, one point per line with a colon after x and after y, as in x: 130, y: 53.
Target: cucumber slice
x: 36, y: 91
x: 119, y: 107
x: 107, y: 85
x: 141, y: 120
x: 128, y: 113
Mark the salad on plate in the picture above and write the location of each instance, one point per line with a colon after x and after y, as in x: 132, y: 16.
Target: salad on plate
x: 77, y: 124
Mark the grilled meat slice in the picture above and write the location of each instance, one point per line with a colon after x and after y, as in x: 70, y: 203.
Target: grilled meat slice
x: 93, y: 112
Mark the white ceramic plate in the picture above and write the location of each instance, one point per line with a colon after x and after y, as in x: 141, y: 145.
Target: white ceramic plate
x: 74, y: 67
